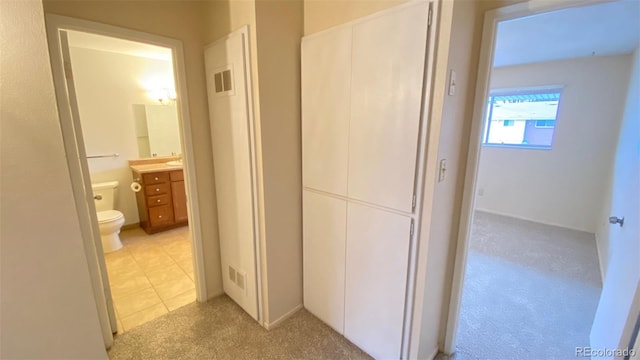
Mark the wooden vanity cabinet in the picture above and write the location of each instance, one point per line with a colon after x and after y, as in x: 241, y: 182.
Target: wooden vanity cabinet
x: 162, y: 201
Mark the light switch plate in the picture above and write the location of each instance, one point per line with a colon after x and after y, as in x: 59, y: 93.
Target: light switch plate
x: 452, y: 83
x: 443, y: 170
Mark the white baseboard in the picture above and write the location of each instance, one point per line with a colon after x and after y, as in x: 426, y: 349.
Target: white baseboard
x: 282, y: 318
x: 433, y: 355
x: 532, y: 220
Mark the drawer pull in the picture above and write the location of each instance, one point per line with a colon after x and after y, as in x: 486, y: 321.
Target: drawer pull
x: 159, y: 216
x: 156, y: 178
x: 157, y: 189
x: 158, y: 200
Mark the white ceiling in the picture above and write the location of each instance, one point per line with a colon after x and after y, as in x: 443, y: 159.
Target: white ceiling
x: 605, y: 29
x: 105, y: 43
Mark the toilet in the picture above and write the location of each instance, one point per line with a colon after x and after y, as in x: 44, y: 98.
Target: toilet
x: 109, y: 219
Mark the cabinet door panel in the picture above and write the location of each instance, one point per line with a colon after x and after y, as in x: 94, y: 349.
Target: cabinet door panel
x: 386, y: 91
x: 324, y: 231
x: 326, y: 77
x: 179, y: 197
x: 376, y: 276
x: 161, y: 215
x: 230, y: 138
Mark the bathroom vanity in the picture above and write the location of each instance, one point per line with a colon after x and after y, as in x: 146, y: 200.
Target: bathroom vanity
x: 162, y: 201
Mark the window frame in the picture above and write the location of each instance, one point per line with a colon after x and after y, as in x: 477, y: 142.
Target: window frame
x: 486, y: 127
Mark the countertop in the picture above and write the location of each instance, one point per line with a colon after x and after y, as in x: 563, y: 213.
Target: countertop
x: 142, y: 166
x: 147, y: 168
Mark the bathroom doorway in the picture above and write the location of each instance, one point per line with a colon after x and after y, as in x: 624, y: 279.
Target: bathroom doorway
x: 122, y: 100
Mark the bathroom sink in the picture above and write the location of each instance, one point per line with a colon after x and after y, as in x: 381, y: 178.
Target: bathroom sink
x: 174, y: 163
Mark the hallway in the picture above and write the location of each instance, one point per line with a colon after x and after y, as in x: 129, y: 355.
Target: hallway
x: 220, y: 329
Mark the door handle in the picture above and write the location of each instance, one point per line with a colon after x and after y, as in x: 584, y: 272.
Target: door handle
x: 98, y: 197
x: 616, y: 220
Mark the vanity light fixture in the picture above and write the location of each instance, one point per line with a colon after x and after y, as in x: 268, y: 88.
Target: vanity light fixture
x: 163, y: 96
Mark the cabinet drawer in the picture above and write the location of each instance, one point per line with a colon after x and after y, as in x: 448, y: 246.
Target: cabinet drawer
x: 158, y: 200
x: 157, y: 189
x: 160, y: 215
x: 155, y: 178
x: 176, y: 175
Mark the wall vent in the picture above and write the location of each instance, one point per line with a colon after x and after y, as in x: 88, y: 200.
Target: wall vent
x: 232, y: 274
x: 237, y: 277
x: 240, y: 281
x: 222, y: 81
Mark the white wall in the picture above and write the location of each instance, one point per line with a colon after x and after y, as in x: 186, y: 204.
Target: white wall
x: 108, y: 85
x: 47, y: 305
x: 624, y: 175
x: 565, y: 185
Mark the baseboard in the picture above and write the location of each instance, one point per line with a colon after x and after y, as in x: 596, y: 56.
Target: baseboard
x: 434, y: 353
x: 130, y: 226
x: 531, y: 220
x: 282, y: 318
x: 600, y: 260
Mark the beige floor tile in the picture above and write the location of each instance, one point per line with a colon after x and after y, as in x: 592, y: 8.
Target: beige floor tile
x: 124, y: 269
x: 124, y: 286
x: 137, y: 301
x: 154, y: 263
x: 143, y: 316
x: 187, y: 267
x: 181, y: 300
x: 178, y: 249
x: 170, y: 273
x: 121, y: 261
x: 174, y: 288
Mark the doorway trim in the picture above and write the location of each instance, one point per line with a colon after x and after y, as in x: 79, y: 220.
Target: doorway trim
x: 487, y: 48
x: 76, y: 157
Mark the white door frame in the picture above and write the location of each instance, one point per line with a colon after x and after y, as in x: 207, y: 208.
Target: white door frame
x: 76, y: 157
x: 489, y: 32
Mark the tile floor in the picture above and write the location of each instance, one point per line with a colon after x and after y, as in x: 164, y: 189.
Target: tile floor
x: 151, y: 275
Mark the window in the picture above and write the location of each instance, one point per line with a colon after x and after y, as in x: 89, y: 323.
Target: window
x: 521, y: 118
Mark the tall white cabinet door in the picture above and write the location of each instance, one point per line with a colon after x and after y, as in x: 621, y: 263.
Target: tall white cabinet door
x: 386, y: 92
x: 230, y: 136
x: 326, y: 90
x: 376, y: 276
x: 324, y: 230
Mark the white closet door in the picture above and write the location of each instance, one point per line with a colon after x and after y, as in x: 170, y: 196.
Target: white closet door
x: 326, y: 78
x: 228, y: 111
x: 324, y: 231
x: 376, y: 277
x: 386, y: 91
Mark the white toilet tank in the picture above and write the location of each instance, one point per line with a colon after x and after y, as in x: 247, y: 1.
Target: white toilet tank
x: 104, y: 195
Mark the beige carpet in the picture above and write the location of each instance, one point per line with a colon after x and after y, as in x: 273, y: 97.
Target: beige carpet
x: 220, y: 329
x: 530, y: 292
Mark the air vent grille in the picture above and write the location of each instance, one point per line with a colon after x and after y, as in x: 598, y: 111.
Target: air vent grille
x: 237, y: 277
x: 222, y: 81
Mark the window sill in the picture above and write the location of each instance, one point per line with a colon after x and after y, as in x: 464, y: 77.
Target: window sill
x: 514, y: 146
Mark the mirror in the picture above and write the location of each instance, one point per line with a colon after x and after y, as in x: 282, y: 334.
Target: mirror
x: 157, y: 130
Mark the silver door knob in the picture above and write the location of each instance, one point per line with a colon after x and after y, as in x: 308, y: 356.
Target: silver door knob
x: 616, y: 220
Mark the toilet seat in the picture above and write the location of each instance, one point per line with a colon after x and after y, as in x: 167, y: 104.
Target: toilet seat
x: 109, y: 215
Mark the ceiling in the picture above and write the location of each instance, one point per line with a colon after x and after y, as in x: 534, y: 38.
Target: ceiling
x: 110, y: 44
x: 599, y: 30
